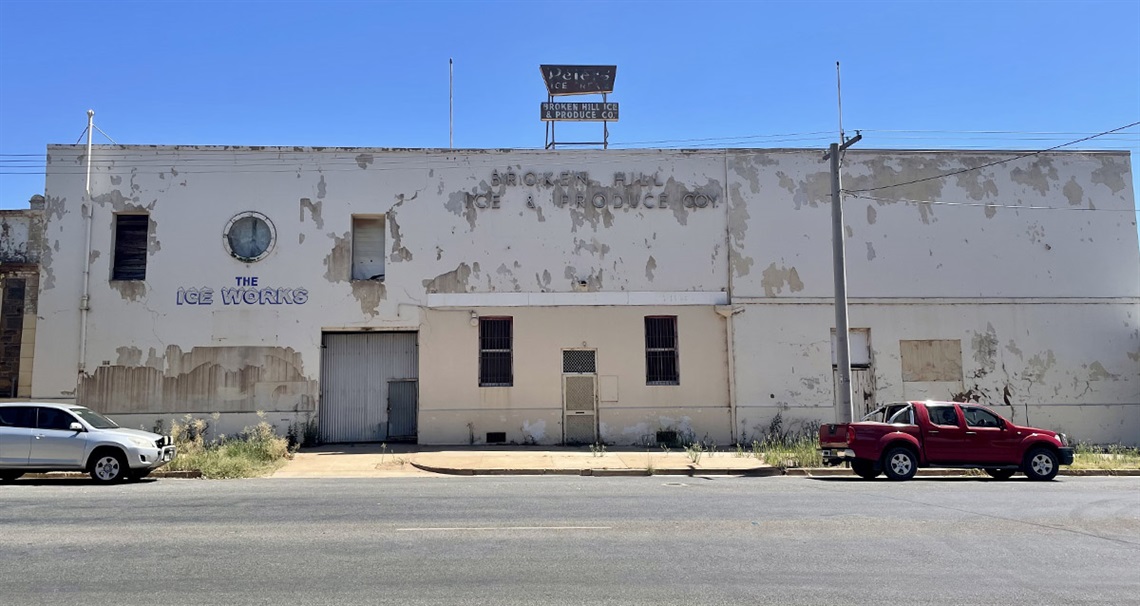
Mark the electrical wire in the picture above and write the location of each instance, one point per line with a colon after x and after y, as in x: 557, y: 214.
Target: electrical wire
x: 986, y: 205
x: 988, y: 164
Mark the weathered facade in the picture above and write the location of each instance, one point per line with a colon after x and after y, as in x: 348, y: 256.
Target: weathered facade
x: 545, y: 297
x: 21, y: 239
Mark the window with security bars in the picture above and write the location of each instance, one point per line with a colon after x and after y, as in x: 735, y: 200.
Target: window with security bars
x: 661, y: 351
x: 495, y: 355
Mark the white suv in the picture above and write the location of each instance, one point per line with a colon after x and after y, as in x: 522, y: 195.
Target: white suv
x: 41, y: 436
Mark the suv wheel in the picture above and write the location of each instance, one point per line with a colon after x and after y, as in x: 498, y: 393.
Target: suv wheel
x: 864, y: 469
x: 108, y: 467
x: 900, y: 464
x: 1041, y: 464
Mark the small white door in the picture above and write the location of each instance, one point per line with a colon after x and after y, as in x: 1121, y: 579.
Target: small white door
x: 579, y: 396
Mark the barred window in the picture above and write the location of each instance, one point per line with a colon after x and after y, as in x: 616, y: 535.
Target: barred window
x: 661, y: 351
x: 495, y: 355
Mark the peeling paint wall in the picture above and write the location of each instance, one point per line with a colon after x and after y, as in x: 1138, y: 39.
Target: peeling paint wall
x: 750, y: 226
x: 21, y: 242
x: 1071, y: 367
x: 937, y: 238
x: 21, y: 236
x: 204, y: 380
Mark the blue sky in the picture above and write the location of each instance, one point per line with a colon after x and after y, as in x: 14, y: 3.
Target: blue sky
x: 690, y: 74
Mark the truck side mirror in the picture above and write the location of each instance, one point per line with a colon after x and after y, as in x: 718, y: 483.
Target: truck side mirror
x: 76, y: 427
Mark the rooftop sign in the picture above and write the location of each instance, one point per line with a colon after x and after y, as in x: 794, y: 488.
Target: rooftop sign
x: 557, y: 111
x: 579, y: 79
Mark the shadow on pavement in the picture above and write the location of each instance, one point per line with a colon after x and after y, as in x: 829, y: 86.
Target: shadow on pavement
x: 73, y: 482
x: 950, y: 479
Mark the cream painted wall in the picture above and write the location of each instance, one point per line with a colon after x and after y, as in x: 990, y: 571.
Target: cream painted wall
x: 531, y: 410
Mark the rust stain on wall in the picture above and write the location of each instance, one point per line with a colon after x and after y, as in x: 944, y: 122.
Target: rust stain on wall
x: 205, y: 380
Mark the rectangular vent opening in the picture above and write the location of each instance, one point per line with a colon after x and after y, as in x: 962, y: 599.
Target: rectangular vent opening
x: 496, y: 437
x: 667, y: 438
x: 579, y: 361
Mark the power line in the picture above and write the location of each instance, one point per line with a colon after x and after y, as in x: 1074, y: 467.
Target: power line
x: 988, y: 164
x: 985, y: 205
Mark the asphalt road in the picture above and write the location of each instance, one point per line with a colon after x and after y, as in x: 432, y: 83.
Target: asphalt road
x: 570, y: 540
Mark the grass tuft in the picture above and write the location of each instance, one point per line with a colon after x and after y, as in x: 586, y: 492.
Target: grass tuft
x: 1114, y: 456
x: 256, y: 451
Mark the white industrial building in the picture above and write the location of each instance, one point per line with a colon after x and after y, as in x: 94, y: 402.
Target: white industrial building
x: 628, y: 297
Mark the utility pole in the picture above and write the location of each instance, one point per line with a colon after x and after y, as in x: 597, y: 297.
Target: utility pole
x: 843, y: 410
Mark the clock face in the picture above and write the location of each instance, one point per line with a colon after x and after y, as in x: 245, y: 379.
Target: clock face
x: 250, y: 236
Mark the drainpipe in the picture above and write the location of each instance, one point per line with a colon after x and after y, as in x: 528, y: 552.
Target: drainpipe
x: 89, y: 216
x: 728, y: 311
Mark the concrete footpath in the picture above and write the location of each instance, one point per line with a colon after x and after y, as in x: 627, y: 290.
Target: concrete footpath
x: 372, y: 461
x: 405, y: 460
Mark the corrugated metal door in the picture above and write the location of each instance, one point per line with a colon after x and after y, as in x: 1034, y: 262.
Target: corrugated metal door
x: 356, y: 369
x: 402, y: 409
x: 580, y: 396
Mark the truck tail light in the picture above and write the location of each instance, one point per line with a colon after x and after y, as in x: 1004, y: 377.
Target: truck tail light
x: 850, y: 434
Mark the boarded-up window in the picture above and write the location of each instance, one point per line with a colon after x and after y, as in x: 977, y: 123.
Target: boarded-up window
x: 495, y: 353
x: 368, y: 247
x: 927, y: 361
x: 130, y: 247
x: 661, y: 351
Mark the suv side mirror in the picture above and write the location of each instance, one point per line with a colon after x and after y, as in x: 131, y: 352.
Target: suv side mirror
x: 76, y: 427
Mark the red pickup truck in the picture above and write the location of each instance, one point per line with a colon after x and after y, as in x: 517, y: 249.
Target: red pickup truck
x: 897, y: 439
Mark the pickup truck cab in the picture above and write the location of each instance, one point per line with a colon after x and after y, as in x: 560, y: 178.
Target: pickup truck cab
x: 898, y: 438
x: 45, y: 436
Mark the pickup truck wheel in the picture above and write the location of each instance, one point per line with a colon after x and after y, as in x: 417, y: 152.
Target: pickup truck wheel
x: 864, y: 469
x: 108, y: 467
x: 8, y: 476
x: 1000, y: 474
x: 900, y: 464
x: 1041, y: 464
